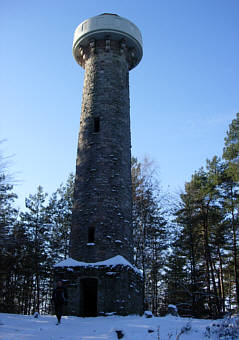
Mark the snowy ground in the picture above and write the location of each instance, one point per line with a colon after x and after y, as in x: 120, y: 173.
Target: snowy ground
x: 21, y: 327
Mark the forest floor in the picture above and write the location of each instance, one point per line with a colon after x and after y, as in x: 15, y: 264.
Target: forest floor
x: 25, y: 327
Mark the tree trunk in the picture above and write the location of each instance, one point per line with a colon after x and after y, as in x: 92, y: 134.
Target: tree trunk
x: 206, y: 258
x: 235, y: 257
x: 221, y: 280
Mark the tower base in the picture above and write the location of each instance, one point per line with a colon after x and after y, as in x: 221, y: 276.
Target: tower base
x: 102, y: 288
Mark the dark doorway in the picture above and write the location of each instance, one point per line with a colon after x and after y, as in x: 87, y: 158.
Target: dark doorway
x: 89, y: 297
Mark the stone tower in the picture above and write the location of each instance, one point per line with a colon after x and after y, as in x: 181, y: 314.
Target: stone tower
x: 100, y: 274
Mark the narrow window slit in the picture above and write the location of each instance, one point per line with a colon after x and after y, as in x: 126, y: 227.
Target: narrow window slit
x: 91, y: 235
x: 97, y: 124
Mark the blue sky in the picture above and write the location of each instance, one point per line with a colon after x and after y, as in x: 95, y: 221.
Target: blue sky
x: 184, y: 93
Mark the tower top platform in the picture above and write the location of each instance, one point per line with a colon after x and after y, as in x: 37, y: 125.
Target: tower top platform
x: 108, y: 26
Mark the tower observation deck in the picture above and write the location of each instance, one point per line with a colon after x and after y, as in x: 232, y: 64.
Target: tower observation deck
x: 109, y: 26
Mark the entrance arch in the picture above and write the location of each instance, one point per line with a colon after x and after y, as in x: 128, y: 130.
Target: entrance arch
x: 88, y: 296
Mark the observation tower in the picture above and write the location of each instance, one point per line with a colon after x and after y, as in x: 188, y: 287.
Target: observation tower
x: 100, y: 274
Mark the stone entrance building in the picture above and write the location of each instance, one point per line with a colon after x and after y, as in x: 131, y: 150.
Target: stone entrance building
x: 100, y: 275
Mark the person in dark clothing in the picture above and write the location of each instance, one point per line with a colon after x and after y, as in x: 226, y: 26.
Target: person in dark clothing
x: 59, y: 298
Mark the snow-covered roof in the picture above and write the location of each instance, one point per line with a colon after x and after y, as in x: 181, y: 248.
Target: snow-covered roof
x: 111, y: 262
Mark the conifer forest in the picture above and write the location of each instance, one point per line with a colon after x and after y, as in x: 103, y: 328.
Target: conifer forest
x: 186, y: 244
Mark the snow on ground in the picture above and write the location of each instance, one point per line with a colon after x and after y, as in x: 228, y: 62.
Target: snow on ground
x: 24, y: 327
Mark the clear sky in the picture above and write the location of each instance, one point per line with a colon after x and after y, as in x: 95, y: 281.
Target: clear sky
x: 184, y: 93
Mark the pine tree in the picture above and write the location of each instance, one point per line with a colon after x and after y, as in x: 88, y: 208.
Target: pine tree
x: 36, y: 223
x: 188, y: 246
x: 177, y: 279
x: 203, y: 237
x: 60, y: 212
x: 8, y: 215
x: 231, y: 191
x: 41, y: 239
x: 149, y: 222
x: 231, y: 149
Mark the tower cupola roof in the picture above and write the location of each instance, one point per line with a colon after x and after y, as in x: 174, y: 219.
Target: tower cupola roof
x: 108, y: 26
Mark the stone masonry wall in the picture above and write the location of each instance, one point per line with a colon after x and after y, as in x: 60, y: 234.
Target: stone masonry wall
x: 102, y: 197
x: 119, y: 289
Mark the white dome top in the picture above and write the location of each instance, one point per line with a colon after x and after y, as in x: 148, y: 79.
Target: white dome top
x: 109, y: 24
